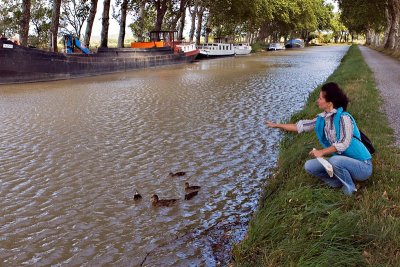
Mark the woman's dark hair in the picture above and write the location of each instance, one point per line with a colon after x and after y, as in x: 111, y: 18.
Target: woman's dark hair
x: 334, y: 94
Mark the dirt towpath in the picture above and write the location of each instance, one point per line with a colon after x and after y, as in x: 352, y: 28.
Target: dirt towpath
x: 387, y: 77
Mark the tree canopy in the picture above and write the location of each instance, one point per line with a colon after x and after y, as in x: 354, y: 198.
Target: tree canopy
x: 262, y: 20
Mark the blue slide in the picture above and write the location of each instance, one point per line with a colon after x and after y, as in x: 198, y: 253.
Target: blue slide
x: 85, y: 50
x: 72, y: 42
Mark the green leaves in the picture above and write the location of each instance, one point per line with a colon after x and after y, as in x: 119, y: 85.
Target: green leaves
x: 361, y: 15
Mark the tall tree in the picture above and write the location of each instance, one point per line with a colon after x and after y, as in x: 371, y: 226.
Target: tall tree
x: 55, y: 22
x: 89, y: 23
x: 173, y: 14
x: 393, y: 11
x: 161, y: 8
x: 193, y: 13
x: 200, y: 14
x: 105, y: 22
x: 208, y: 27
x: 141, y: 19
x: 24, y: 24
x: 122, y: 23
x: 181, y: 26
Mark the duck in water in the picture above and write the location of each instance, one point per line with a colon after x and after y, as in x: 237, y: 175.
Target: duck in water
x: 191, y: 188
x: 137, y: 196
x: 156, y: 202
x: 176, y: 174
x: 190, y: 195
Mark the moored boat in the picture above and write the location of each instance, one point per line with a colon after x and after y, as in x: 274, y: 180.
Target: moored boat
x: 242, y: 49
x: 275, y: 47
x: 216, y: 49
x: 22, y: 64
x: 295, y: 43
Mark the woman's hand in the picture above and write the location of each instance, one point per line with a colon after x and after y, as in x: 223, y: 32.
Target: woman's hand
x: 271, y: 124
x: 316, y: 153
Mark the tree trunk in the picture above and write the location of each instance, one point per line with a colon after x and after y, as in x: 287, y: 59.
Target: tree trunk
x: 141, y: 18
x: 161, y: 7
x: 122, y: 24
x: 177, y: 18
x: 199, y: 24
x: 24, y: 23
x: 182, y: 25
x: 55, y: 22
x: 398, y: 42
x: 263, y: 32
x: 182, y: 18
x: 105, y: 22
x: 394, y: 17
x: 89, y: 24
x: 208, y: 27
x: 193, y: 22
x: 368, y: 37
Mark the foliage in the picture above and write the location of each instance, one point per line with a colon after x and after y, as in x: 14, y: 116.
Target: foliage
x: 116, y: 9
x: 40, y: 21
x: 73, y: 16
x: 337, y: 27
x: 148, y: 21
x: 361, y: 15
x: 9, y: 17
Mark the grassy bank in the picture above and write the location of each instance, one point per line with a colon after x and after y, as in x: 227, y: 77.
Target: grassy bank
x: 301, y: 222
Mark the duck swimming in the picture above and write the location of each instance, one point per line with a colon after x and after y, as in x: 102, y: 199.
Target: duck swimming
x: 156, y: 202
x: 191, y: 188
x: 137, y: 196
x: 177, y: 174
x: 190, y: 195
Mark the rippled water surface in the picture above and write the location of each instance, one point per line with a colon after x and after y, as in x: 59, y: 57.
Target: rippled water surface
x: 72, y: 154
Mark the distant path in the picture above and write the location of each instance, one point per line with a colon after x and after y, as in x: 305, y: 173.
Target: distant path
x: 387, y: 77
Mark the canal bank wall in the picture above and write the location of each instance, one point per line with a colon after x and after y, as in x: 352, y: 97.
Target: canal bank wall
x: 301, y: 222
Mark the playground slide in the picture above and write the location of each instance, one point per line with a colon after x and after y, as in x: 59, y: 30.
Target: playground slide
x: 85, y: 50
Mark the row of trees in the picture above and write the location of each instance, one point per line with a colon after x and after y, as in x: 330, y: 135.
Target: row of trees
x: 379, y: 20
x: 257, y: 20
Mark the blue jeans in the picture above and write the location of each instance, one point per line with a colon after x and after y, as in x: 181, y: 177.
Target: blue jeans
x: 345, y: 170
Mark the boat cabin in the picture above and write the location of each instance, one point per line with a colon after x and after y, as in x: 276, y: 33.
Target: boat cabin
x: 157, y: 39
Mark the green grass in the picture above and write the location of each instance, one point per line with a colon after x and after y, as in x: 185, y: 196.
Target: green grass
x: 302, y: 222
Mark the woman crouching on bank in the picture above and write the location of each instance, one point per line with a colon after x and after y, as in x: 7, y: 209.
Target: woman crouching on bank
x: 336, y: 131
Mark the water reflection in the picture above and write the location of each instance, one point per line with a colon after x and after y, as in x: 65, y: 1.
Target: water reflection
x: 74, y: 152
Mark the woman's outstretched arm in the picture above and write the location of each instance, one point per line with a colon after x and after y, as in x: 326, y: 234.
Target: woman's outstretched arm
x: 287, y: 127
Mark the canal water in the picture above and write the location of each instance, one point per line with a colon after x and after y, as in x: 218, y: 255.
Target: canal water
x: 73, y: 153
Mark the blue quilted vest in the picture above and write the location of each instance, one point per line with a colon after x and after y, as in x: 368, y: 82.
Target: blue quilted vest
x: 356, y: 150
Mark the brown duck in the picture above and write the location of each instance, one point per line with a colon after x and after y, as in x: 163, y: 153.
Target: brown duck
x: 191, y: 188
x: 156, y: 202
x: 190, y: 195
x: 176, y: 174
